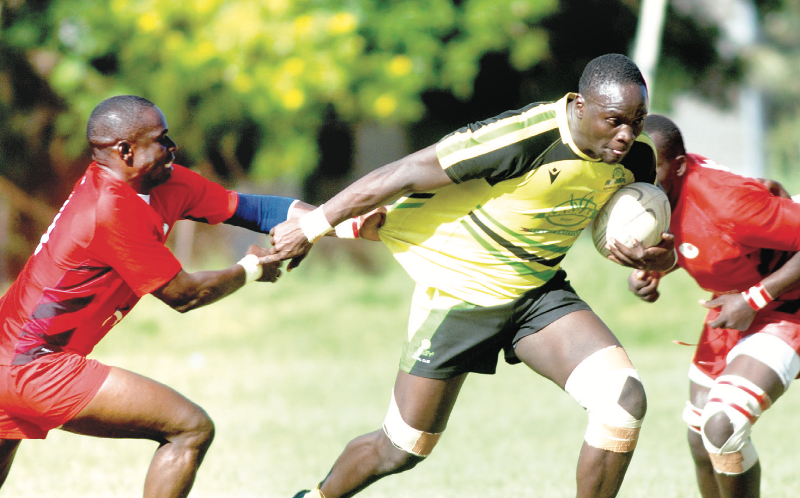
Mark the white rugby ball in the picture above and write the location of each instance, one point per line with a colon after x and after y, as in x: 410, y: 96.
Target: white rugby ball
x: 637, y: 211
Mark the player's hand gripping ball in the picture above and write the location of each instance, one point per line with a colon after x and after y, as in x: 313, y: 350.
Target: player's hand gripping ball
x: 639, y: 211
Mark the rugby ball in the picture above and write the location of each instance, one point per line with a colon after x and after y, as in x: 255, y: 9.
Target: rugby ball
x: 637, y: 211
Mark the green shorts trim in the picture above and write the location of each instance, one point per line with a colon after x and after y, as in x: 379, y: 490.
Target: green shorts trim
x: 448, y: 337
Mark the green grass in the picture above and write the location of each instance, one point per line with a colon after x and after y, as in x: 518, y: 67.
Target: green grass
x: 291, y: 372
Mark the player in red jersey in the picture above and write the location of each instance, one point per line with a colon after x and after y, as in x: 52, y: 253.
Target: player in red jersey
x: 102, y: 253
x: 740, y: 242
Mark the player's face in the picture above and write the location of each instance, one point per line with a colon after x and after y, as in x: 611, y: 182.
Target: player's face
x: 154, y: 151
x: 610, y: 120
x: 668, y: 169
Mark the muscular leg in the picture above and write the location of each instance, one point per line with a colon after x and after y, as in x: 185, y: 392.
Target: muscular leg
x: 554, y: 352
x: 425, y: 404
x: 704, y: 472
x: 129, y: 405
x: 8, y: 450
x: 719, y: 428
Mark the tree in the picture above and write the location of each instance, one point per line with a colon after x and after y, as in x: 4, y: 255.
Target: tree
x: 774, y: 66
x: 247, y: 85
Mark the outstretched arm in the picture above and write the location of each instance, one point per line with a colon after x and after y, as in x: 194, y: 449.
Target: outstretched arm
x: 188, y: 291
x: 261, y: 213
x: 417, y: 172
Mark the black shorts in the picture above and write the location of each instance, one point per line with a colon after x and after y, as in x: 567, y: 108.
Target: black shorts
x: 448, y: 337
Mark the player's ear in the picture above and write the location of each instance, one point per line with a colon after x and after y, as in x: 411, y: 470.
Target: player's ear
x: 579, y: 104
x: 680, y: 165
x: 125, y: 151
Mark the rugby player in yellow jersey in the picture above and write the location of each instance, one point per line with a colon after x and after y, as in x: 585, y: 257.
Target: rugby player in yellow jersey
x: 481, y: 221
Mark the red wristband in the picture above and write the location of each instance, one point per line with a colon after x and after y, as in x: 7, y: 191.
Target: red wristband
x: 757, y: 296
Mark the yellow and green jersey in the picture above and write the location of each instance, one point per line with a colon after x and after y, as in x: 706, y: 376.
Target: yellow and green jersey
x: 522, y: 193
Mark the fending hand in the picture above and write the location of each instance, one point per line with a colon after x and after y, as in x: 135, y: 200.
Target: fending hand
x: 270, y: 267
x: 289, y: 242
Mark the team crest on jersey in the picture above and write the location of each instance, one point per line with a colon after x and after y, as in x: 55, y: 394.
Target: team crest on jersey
x: 572, y: 212
x: 617, y: 178
x: 688, y: 250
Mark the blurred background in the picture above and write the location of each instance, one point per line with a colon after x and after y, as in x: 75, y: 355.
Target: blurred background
x: 299, y: 97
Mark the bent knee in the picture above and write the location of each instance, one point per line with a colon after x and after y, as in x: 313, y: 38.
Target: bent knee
x: 196, y: 429
x: 608, y: 387
x: 718, y: 429
x: 393, y: 459
x: 633, y: 399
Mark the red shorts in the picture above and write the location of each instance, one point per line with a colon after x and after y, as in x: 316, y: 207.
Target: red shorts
x: 46, y: 393
x: 715, y: 344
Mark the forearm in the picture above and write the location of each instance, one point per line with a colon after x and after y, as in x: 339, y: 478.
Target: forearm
x: 260, y: 213
x: 418, y: 172
x: 188, y: 291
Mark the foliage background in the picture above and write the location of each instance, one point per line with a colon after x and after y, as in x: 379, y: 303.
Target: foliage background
x: 263, y: 93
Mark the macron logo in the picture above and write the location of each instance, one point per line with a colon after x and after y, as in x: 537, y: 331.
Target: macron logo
x: 553, y: 174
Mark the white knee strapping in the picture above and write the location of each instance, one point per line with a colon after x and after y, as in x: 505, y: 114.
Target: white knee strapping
x: 691, y: 413
x: 404, y: 436
x: 771, y: 351
x: 597, y: 383
x: 699, y: 377
x: 693, y: 417
x: 742, y: 402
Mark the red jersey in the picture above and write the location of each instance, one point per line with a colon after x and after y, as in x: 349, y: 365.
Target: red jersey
x: 730, y: 231
x: 102, y: 253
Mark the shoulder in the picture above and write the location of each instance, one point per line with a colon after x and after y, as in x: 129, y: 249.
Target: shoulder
x: 722, y: 194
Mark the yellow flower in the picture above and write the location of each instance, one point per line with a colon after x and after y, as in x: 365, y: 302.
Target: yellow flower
x: 242, y: 83
x: 293, y: 99
x: 303, y: 24
x: 400, y: 65
x: 343, y: 22
x: 385, y: 105
x: 294, y: 66
x: 149, y: 21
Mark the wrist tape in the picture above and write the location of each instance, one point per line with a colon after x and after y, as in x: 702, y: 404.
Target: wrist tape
x: 347, y: 229
x: 252, y: 270
x: 314, y: 225
x: 757, y: 296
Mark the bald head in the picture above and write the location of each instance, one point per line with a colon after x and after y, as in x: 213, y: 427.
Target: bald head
x: 607, y: 71
x: 117, y: 118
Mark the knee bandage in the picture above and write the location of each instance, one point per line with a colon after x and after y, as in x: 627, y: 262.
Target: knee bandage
x: 742, y: 402
x: 598, y: 383
x: 771, y: 351
x: 693, y: 417
x: 404, y: 436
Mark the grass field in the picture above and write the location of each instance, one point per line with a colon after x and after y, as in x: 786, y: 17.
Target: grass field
x: 291, y: 372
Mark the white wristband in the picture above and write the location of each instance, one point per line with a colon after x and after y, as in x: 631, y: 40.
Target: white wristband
x: 252, y: 270
x: 314, y: 225
x: 347, y: 229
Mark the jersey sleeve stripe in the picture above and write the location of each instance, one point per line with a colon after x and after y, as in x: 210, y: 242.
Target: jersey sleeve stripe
x: 468, y: 142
